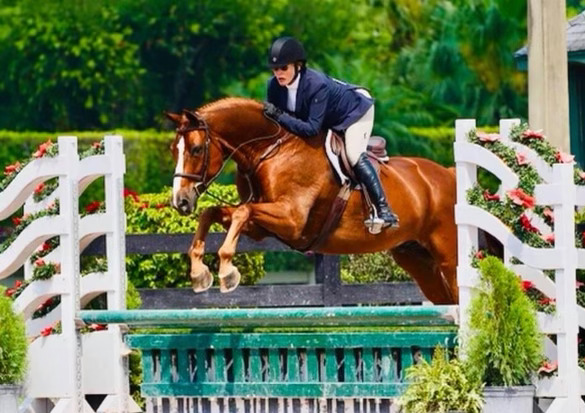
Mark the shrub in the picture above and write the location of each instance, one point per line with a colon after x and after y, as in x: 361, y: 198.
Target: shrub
x: 505, y: 344
x: 13, y: 343
x: 441, y: 386
x: 371, y: 268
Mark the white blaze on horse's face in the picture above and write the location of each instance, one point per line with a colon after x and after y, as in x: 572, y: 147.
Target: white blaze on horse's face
x: 183, y: 199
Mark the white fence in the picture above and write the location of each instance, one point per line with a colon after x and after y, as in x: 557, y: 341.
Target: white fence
x: 562, y: 392
x: 64, y: 367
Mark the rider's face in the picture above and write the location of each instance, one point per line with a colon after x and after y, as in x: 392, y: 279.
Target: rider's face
x: 285, y: 74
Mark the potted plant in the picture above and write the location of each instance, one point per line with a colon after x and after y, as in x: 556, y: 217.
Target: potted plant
x: 13, y: 353
x: 505, y: 344
x: 442, y: 386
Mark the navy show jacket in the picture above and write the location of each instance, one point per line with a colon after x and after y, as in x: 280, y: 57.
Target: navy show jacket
x: 321, y: 103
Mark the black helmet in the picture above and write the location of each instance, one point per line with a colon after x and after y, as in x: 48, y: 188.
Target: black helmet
x: 286, y: 50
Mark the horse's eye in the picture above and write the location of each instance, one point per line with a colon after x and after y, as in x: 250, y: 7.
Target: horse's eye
x: 196, y: 150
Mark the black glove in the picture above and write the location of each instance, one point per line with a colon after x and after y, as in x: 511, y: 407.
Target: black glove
x: 272, y: 111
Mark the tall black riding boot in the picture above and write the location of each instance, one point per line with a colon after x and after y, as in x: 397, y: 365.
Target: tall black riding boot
x: 365, y: 172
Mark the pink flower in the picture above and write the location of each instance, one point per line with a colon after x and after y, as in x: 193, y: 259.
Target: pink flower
x: 519, y: 197
x: 39, y: 188
x: 581, y: 175
x: 563, y: 157
x: 479, y: 255
x: 39, y: 262
x: 489, y: 197
x: 549, y: 214
x: 579, y: 284
x: 548, y: 368
x: 521, y: 159
x: 42, y: 149
x: 96, y: 145
x: 550, y: 238
x: 17, y: 284
x: 488, y: 137
x: 531, y: 134
x: 12, y: 168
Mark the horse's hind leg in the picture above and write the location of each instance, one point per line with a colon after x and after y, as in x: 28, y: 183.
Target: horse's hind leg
x: 421, y: 265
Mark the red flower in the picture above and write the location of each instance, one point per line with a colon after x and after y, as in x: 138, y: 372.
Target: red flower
x: 489, y: 197
x: 488, y: 137
x: 9, y: 292
x: 46, y: 246
x: 527, y: 224
x: 16, y: 221
x: 97, y: 327
x: 92, y: 207
x: 479, y: 255
x: 546, y: 300
x: 17, y: 284
x: 562, y: 157
x: 550, y: 238
x: 39, y: 188
x: 531, y: 134
x: 526, y: 285
x: 143, y: 205
x: 42, y: 149
x: 96, y: 145
x: 129, y: 192
x: 12, y: 168
x: 39, y: 262
x: 519, y: 197
x: 160, y: 206
x: 46, y: 331
x: 521, y: 159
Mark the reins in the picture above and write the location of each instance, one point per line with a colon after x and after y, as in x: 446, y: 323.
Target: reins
x: 201, y: 178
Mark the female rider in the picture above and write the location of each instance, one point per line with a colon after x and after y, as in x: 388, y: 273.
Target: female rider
x: 307, y: 102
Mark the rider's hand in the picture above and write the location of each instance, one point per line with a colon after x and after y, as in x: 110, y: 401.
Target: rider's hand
x: 272, y: 111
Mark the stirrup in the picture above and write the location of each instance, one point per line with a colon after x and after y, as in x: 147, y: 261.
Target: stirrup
x: 375, y: 224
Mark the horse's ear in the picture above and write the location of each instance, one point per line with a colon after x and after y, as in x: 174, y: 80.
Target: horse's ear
x: 175, y: 117
x: 193, y: 117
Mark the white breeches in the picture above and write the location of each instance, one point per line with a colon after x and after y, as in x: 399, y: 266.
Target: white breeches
x: 358, y: 134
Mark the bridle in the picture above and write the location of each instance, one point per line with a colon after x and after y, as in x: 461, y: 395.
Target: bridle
x: 201, y: 181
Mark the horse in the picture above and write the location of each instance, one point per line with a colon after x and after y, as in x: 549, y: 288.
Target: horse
x: 288, y: 187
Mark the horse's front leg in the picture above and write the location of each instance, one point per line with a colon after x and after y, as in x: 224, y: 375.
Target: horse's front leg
x: 280, y: 219
x: 201, y: 277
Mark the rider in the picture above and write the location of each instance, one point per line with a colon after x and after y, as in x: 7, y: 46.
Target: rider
x: 306, y: 102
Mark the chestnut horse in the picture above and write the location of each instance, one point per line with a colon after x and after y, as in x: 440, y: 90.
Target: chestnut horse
x: 288, y: 187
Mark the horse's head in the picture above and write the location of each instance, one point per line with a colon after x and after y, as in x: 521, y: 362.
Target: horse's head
x: 198, y: 159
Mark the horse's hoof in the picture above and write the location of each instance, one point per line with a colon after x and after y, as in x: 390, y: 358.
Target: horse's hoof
x: 230, y: 281
x: 202, y: 281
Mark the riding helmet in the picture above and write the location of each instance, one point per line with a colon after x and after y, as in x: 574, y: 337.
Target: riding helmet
x: 286, y: 50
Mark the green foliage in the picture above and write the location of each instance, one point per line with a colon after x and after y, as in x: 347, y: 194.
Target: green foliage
x: 67, y: 66
x: 441, y: 386
x: 370, y: 268
x: 151, y: 213
x: 505, y: 344
x: 13, y: 343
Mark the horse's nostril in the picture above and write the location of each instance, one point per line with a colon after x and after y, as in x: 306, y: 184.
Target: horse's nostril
x: 183, y: 203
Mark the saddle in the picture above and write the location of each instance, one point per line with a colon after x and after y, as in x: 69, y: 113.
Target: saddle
x: 335, y: 149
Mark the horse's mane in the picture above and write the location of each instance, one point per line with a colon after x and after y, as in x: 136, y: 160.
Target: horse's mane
x: 228, y: 103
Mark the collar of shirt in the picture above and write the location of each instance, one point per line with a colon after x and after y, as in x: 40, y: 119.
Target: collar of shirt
x: 291, y: 100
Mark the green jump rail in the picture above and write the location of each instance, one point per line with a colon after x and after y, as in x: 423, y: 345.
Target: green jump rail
x: 210, y: 369
x: 280, y: 317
